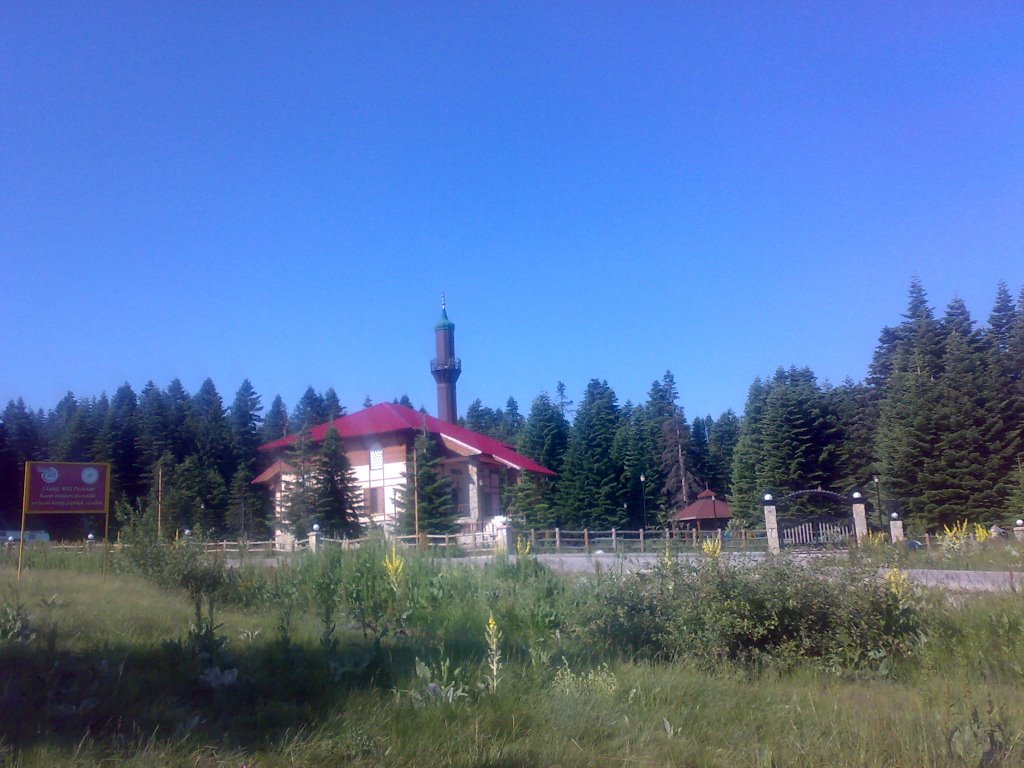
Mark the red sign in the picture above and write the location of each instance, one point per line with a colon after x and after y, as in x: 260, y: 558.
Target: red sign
x: 66, y: 487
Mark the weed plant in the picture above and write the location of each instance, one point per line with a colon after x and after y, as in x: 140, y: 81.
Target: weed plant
x: 383, y: 656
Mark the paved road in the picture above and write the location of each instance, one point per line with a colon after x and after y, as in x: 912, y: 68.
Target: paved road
x: 967, y: 581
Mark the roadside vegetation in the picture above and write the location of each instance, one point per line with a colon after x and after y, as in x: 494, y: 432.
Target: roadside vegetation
x: 382, y: 656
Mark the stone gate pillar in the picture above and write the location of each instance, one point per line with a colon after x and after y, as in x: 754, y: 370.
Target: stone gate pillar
x: 895, y: 528
x: 771, y: 523
x: 860, y: 517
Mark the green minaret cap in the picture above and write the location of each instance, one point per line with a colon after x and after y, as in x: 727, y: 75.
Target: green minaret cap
x: 444, y: 324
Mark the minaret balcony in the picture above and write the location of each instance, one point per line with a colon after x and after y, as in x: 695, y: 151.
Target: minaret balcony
x: 453, y: 364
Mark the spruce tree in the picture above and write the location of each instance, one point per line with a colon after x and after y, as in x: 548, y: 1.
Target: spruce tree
x: 209, y: 424
x: 275, y: 425
x: 633, y: 451
x: 338, y: 500
x: 512, y: 422
x: 789, y: 441
x: 544, y: 438
x: 856, y: 413
x: 425, y: 500
x: 1001, y: 320
x: 697, y: 454
x: 333, y: 409
x: 590, y: 494
x: 247, y: 507
x: 905, y: 440
x: 748, y: 481
x: 154, y: 429
x: 195, y: 495
x: 300, y: 488
x: 117, y: 444
x: 310, y: 411
x: 723, y: 435
x: 246, y: 424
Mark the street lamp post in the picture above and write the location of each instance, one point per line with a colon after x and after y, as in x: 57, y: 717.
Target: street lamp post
x: 878, y: 495
x: 643, y: 493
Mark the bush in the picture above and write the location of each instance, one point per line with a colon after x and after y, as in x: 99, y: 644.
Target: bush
x: 773, y: 613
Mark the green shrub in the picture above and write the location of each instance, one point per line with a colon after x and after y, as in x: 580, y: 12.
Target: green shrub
x: 775, y: 612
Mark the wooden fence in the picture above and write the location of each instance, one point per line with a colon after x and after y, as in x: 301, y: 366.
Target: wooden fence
x: 539, y: 542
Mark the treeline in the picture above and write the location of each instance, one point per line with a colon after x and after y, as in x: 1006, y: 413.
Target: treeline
x: 934, y: 433
x: 189, y: 453
x: 939, y: 421
x: 618, y: 465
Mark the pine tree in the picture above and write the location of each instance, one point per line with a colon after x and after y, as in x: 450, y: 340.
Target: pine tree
x: 425, y: 501
x: 154, y: 429
x: 904, y: 442
x: 338, y: 499
x: 789, y: 441
x: 18, y: 444
x: 117, y: 443
x: 178, y: 403
x: 1001, y: 320
x: 698, y: 456
x: 512, y: 422
x: 970, y: 463
x: 590, y: 494
x: 632, y: 451
x: 300, y: 490
x: 1016, y: 501
x: 246, y: 424
x: 669, y: 481
x: 723, y: 435
x: 247, y: 507
x: 195, y: 495
x: 275, y: 425
x: 333, y: 409
x: 209, y: 424
x: 747, y: 482
x: 310, y: 411
x: 484, y: 420
x: 72, y: 431
x: 544, y: 438
x: 856, y: 412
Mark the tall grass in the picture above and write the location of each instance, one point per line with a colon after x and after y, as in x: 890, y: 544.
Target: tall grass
x: 384, y: 657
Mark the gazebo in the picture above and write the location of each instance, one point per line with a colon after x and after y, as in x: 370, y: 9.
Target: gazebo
x: 708, y: 511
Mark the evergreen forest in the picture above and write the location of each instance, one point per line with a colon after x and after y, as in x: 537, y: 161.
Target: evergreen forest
x: 933, y: 432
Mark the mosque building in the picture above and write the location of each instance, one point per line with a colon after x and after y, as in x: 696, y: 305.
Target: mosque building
x: 379, y: 440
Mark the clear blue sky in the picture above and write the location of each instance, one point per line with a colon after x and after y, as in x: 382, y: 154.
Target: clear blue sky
x: 281, y: 191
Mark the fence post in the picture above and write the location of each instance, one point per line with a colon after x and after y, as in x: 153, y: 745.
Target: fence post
x: 927, y: 541
x: 533, y: 539
x: 613, y: 540
x: 586, y: 540
x: 558, y: 539
x: 641, y: 540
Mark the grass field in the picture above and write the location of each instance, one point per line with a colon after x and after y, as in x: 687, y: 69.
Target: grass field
x: 379, y: 658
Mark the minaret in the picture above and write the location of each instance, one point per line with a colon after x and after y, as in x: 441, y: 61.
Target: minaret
x: 446, y: 367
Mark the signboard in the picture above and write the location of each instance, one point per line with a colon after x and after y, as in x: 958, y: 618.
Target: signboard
x: 66, y: 488
x: 61, y: 487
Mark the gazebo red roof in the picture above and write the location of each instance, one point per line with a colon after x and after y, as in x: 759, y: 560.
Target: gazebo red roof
x: 706, y: 507
x: 391, y: 417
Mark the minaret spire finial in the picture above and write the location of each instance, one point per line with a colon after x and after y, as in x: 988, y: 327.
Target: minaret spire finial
x: 442, y: 300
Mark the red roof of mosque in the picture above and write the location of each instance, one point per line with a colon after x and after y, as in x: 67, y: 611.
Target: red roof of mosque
x: 391, y: 417
x: 706, y: 507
